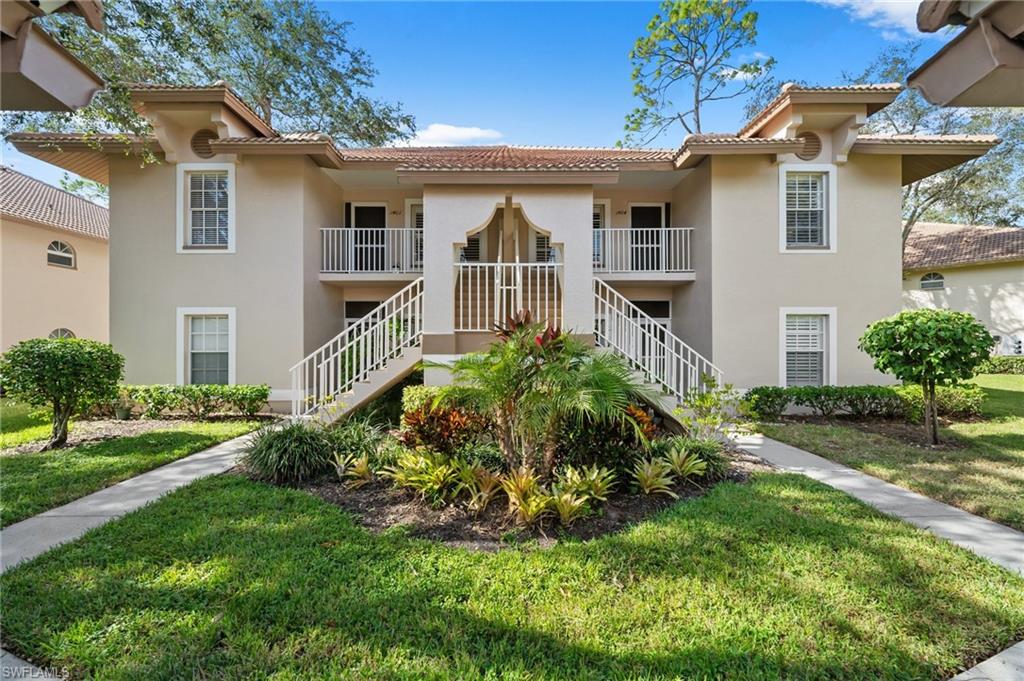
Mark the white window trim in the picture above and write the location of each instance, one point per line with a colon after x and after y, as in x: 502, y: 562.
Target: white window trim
x: 74, y: 255
x: 183, y: 313
x: 409, y: 205
x: 629, y: 211
x: 607, y: 203
x: 831, y: 171
x: 182, y: 212
x: 366, y: 204
x: 833, y: 344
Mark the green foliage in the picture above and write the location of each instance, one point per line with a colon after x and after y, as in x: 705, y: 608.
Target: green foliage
x: 823, y: 400
x: 532, y: 508
x: 296, y: 452
x: 593, y: 481
x: 520, y: 484
x: 200, y: 401
x: 247, y: 400
x: 479, y: 482
x: 441, y: 428
x: 90, y: 190
x: 709, y: 451
x: 1002, y: 364
x: 928, y: 347
x: 610, y: 445
x: 766, y: 402
x: 873, y: 400
x: 957, y: 401
x: 431, y: 474
x: 156, y: 399
x: 653, y: 476
x: 695, y: 51
x: 686, y: 464
x: 356, y: 437
x: 64, y: 373
x: 568, y: 506
x: 708, y: 412
x: 291, y: 61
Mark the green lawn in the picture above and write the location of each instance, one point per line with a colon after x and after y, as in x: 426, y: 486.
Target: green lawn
x: 781, y: 578
x: 985, y: 477
x: 20, y: 423
x: 33, y: 483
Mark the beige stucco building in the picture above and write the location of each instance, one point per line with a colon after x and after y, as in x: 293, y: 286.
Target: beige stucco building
x: 972, y: 269
x: 54, y: 278
x: 248, y: 256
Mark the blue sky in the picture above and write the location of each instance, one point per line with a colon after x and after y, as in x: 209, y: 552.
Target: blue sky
x: 558, y: 73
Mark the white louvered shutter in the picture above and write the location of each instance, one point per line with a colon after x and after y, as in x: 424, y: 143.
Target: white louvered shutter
x: 805, y: 349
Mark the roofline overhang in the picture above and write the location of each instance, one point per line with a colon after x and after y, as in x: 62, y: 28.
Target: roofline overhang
x: 911, y: 148
x: 213, y: 95
x: 974, y: 263
x: 408, y: 176
x: 981, y: 66
x: 323, y: 153
x: 71, y: 87
x: 691, y: 154
x: 874, y: 100
x: 4, y: 215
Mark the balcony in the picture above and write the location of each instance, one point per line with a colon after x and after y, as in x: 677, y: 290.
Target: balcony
x: 643, y: 254
x: 353, y: 254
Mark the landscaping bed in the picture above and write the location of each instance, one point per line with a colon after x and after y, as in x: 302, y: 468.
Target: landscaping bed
x: 380, y: 506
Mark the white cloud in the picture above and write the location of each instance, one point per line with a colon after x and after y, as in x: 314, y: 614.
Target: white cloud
x: 897, y: 19
x: 443, y: 134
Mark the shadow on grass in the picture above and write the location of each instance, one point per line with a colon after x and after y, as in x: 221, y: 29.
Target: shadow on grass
x: 779, y: 579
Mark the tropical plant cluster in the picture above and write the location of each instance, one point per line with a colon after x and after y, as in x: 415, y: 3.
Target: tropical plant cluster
x: 769, y: 402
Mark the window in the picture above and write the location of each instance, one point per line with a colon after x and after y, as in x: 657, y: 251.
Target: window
x: 806, y: 349
x: 60, y: 254
x: 542, y: 248
x: 807, y: 208
x: 932, y: 280
x: 206, y: 211
x: 806, y: 218
x: 471, y: 251
x: 600, y: 222
x: 357, y: 309
x: 62, y: 333
x: 208, y: 349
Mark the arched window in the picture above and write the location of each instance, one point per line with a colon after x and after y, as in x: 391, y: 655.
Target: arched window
x: 62, y: 333
x: 60, y: 254
x: 933, y: 280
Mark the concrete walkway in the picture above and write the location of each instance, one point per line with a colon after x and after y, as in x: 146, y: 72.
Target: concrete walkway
x: 38, y: 534
x: 989, y: 540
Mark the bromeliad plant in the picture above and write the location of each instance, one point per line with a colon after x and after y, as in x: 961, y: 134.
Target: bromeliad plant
x: 535, y: 380
x: 654, y: 476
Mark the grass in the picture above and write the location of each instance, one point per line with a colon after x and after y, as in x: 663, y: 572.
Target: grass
x: 984, y: 476
x: 33, y: 483
x: 782, y: 578
x: 20, y: 423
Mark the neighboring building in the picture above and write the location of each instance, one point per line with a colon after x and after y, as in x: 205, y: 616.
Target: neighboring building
x: 984, y: 64
x: 36, y: 72
x: 54, y: 277
x: 757, y: 257
x: 971, y: 269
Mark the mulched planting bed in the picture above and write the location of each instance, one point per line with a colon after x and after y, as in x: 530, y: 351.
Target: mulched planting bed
x: 908, y: 433
x: 380, y: 505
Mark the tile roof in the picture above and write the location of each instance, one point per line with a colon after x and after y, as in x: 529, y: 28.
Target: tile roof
x: 229, y: 94
x: 25, y: 198
x: 80, y: 138
x: 505, y: 157
x: 929, y: 139
x: 934, y: 245
x: 790, y: 89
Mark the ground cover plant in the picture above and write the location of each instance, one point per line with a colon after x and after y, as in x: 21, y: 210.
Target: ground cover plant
x: 33, y: 482
x: 979, y: 466
x: 778, y: 578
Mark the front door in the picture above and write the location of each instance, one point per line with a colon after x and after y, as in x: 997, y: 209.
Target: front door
x: 368, y: 239
x: 645, y: 237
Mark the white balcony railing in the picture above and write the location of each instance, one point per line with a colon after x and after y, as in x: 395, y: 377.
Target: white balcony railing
x: 629, y: 250
x: 490, y: 292
x: 360, y: 250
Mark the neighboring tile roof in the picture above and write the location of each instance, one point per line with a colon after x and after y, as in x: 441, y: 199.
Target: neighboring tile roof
x: 935, y: 245
x: 506, y: 157
x: 25, y: 198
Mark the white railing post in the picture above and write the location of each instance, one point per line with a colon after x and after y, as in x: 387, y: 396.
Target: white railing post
x: 355, y: 250
x: 628, y: 250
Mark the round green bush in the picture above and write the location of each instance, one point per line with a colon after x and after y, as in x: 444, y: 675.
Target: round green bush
x: 293, y: 453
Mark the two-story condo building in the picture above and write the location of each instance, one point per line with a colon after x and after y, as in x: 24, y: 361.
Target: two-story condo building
x: 249, y: 256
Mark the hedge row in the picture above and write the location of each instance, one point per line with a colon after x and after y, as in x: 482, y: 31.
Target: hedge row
x: 902, y: 401
x: 198, y: 401
x: 1002, y: 364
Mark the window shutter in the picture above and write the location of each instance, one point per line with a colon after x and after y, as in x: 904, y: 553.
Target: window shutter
x: 471, y: 251
x: 417, y: 216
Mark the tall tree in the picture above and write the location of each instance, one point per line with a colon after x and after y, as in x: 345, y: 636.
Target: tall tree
x: 987, y: 190
x: 291, y: 61
x: 691, y: 53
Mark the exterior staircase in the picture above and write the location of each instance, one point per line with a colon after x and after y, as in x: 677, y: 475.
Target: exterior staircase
x: 661, y: 358
x: 362, y: 361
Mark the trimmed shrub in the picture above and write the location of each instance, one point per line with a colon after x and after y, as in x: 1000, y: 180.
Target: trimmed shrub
x: 824, y: 400
x: 199, y: 401
x: 1002, y: 364
x: 955, y: 400
x: 766, y: 402
x: 156, y: 399
x: 293, y: 453
x: 872, y: 400
x: 247, y: 400
x: 66, y: 374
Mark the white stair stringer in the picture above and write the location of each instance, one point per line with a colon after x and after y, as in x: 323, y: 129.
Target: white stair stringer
x: 661, y: 359
x: 362, y: 361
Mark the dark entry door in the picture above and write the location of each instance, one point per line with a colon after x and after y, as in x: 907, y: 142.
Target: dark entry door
x: 368, y: 241
x: 645, y: 239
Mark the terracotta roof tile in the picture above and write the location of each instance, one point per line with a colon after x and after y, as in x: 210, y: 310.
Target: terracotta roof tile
x: 929, y: 139
x: 26, y: 198
x: 790, y: 89
x: 934, y: 245
x: 505, y: 157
